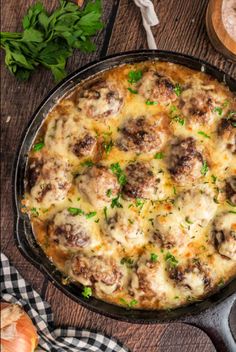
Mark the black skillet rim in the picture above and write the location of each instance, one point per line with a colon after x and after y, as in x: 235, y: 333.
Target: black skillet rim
x: 22, y: 224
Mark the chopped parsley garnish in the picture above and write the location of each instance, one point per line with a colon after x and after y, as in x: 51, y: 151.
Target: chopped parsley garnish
x: 153, y: 257
x: 139, y: 203
x: 204, y: 168
x: 38, y: 146
x: 232, y: 211
x: 34, y: 212
x: 105, y: 213
x: 231, y: 114
x: 218, y: 110
x: 178, y: 89
x: 171, y: 260
x: 131, y: 221
x: 159, y: 155
x: 127, y: 261
x: 203, y: 134
x: 226, y: 103
x: 188, y: 221
x: 87, y: 163
x: 130, y: 304
x: 115, y: 202
x: 174, y: 190
x: 176, y: 297
x: 87, y: 292
x: 179, y: 119
x: 109, y: 192
x: 214, y: 178
x: 121, y: 177
x: 148, y: 102
x: 173, y: 108
x: 134, y: 76
x: 91, y: 214
x: 75, y: 211
x: 107, y: 146
x: 133, y: 91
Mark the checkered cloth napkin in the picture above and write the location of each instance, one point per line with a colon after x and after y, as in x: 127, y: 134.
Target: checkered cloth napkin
x: 15, y: 289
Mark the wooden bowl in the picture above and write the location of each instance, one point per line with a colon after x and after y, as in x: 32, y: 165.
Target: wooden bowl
x: 216, y: 28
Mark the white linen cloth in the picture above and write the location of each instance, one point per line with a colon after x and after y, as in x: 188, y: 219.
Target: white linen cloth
x: 150, y: 19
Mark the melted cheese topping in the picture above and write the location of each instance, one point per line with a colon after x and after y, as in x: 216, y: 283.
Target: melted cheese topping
x: 127, y: 192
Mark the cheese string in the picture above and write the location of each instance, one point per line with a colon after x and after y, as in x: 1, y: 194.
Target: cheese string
x: 149, y: 19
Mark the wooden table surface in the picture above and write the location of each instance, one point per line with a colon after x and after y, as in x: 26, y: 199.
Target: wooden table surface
x: 181, y: 29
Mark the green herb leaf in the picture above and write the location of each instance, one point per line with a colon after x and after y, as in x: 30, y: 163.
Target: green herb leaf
x: 121, y: 177
x: 87, y: 292
x: 49, y: 39
x: 203, y: 134
x: 87, y: 163
x: 214, y: 178
x: 105, y: 214
x: 139, y: 203
x: 178, y: 89
x: 127, y: 261
x: 188, y: 221
x: 115, y: 202
x: 91, y: 214
x: 204, y: 168
x: 109, y: 192
x: 107, y: 146
x: 171, y: 260
x: 148, y: 102
x: 134, y: 76
x: 75, y: 211
x: 159, y: 155
x: 232, y: 211
x: 130, y: 304
x: 218, y: 110
x: 34, y: 212
x: 38, y: 146
x: 133, y: 91
x: 153, y: 257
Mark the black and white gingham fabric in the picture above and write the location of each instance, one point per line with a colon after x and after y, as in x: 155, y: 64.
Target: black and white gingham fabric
x: 15, y: 289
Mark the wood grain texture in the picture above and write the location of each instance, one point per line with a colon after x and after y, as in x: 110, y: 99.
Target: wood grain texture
x: 182, y: 29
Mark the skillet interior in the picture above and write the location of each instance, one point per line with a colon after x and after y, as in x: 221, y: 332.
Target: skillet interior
x: 24, y: 236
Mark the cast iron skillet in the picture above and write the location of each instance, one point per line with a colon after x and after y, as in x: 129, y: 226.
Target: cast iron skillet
x: 212, y: 314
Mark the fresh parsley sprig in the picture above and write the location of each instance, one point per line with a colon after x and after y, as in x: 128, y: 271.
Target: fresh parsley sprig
x: 49, y: 39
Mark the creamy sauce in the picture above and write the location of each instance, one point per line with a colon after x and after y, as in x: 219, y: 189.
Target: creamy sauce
x: 153, y: 253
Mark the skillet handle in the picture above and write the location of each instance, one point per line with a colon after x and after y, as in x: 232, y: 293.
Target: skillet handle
x: 217, y: 324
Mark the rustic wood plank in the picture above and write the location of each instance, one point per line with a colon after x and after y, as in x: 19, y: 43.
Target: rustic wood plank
x: 181, y: 29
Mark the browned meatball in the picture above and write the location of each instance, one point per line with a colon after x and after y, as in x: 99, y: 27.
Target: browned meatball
x: 100, y: 99
x: 72, y: 231
x: 142, y: 135
x: 49, y: 179
x: 85, y: 146
x: 192, y: 277
x: 98, y: 185
x: 230, y: 189
x: 141, y: 181
x: 156, y: 87
x: 224, y: 235
x: 103, y: 273
x: 197, y: 103
x: 185, y: 161
x: 227, y: 133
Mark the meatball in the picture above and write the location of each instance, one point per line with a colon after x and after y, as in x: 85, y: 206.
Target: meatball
x: 49, y: 180
x: 141, y: 182
x: 104, y: 273
x: 98, y: 185
x: 126, y: 231
x: 193, y: 278
x: 185, y: 161
x: 142, y: 135
x: 72, y: 232
x: 197, y: 104
x: 230, y: 189
x: 100, y: 100
x: 85, y: 146
x: 224, y: 235
x: 227, y: 133
x: 193, y: 199
x: 156, y: 87
x: 150, y: 282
